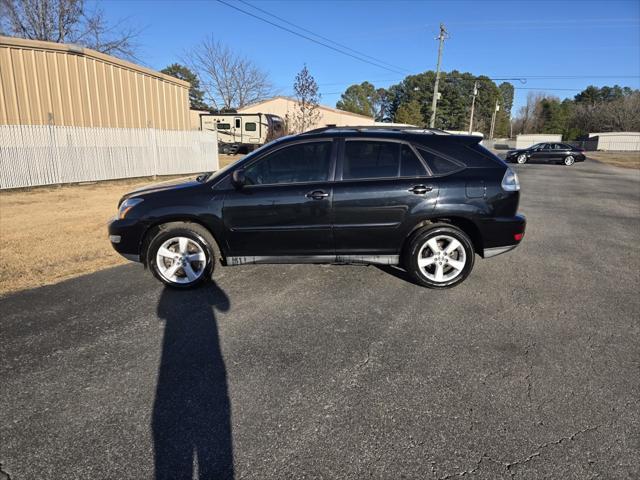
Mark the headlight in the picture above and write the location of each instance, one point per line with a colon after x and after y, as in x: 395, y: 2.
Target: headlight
x: 127, y: 205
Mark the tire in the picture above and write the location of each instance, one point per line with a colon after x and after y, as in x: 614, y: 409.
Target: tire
x: 569, y: 160
x: 434, y: 269
x: 521, y: 159
x: 181, y: 255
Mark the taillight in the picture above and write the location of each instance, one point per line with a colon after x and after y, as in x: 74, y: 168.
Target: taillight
x: 510, y: 181
x: 518, y: 236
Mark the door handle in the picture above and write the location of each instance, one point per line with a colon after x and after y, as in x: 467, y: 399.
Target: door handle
x: 420, y: 189
x: 317, y: 195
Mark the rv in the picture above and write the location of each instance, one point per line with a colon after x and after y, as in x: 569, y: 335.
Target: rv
x: 242, y: 132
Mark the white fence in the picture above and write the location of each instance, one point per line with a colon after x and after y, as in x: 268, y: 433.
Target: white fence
x: 33, y: 155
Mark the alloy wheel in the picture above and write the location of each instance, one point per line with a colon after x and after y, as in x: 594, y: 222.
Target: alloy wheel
x: 181, y: 260
x: 568, y: 161
x: 442, y: 258
x: 522, y: 159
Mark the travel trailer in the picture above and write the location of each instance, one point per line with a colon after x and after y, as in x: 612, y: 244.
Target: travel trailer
x: 242, y: 132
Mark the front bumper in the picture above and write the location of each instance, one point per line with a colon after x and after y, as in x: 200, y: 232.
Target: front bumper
x: 502, y: 234
x: 126, y: 237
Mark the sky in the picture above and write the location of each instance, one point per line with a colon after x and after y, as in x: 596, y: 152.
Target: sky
x: 592, y: 42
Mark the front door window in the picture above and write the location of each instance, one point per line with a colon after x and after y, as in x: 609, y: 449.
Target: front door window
x: 304, y: 162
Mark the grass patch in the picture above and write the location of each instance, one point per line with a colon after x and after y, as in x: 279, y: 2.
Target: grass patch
x: 50, y: 234
x: 617, y: 159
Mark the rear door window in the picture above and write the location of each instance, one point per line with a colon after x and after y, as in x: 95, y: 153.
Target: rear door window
x: 370, y: 159
x: 438, y: 164
x: 410, y: 164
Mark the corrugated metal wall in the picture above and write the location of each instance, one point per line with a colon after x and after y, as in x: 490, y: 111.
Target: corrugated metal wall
x: 44, y: 83
x: 32, y: 155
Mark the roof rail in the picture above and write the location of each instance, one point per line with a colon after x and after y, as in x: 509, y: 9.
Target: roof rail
x: 361, y: 128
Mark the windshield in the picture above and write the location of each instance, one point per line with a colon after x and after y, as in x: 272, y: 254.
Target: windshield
x: 220, y: 173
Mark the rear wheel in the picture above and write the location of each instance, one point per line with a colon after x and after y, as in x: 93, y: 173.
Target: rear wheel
x: 522, y: 158
x: 181, y: 255
x: 440, y: 256
x: 569, y: 160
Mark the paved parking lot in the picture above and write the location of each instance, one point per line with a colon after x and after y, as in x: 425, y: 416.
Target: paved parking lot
x: 531, y: 368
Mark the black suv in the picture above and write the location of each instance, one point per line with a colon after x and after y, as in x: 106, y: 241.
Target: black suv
x: 420, y: 199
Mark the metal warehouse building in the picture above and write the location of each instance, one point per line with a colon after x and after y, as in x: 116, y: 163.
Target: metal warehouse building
x: 70, y: 114
x: 44, y: 83
x: 285, y: 107
x: 619, y: 141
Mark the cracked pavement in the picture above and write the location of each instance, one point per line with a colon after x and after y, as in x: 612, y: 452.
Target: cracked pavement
x: 530, y: 369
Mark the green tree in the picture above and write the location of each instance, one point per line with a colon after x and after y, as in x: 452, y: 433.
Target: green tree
x: 410, y: 112
x: 196, y: 96
x: 364, y: 99
x: 415, y: 93
x: 503, y: 118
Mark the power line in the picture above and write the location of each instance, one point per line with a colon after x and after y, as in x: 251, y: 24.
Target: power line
x: 322, y: 37
x: 522, y: 77
x: 309, y: 38
x: 577, y: 76
x: 544, y: 88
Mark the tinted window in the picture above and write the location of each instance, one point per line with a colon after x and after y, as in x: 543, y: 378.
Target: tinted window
x: 237, y: 123
x: 224, y: 126
x: 250, y: 127
x: 305, y: 162
x: 370, y: 160
x: 438, y: 165
x: 410, y: 165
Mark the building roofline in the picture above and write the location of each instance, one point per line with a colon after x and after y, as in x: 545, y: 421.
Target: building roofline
x: 323, y: 107
x: 87, y: 52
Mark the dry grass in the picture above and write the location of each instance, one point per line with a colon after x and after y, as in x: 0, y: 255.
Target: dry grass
x: 227, y: 159
x: 49, y: 234
x: 617, y: 159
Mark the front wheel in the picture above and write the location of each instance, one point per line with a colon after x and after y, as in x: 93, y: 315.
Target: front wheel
x: 440, y: 256
x: 569, y: 160
x: 522, y: 158
x: 181, y: 255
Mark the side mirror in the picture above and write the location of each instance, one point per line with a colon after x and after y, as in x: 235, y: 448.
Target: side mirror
x: 238, y: 178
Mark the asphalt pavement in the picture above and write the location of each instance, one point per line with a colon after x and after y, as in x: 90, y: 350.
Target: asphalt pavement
x: 530, y: 368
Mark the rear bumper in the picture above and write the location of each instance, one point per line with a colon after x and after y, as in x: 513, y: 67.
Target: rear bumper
x: 502, y: 234
x: 126, y: 237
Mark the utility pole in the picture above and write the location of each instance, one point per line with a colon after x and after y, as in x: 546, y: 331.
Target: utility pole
x: 434, y: 103
x: 473, y: 106
x: 493, y: 120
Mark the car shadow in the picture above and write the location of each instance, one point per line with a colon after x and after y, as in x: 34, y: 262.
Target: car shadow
x: 191, y: 422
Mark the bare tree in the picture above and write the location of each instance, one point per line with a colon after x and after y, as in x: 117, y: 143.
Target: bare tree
x: 306, y: 114
x: 619, y: 115
x: 67, y: 21
x: 229, y: 80
x: 528, y: 118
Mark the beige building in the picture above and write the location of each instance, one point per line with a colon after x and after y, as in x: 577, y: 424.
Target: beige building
x: 45, y: 83
x: 284, y: 107
x: 617, y: 141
